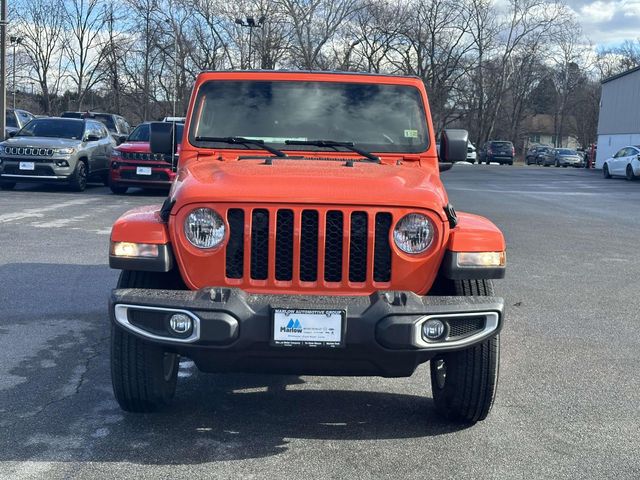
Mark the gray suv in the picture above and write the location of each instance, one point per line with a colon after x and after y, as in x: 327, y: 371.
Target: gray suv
x: 56, y: 150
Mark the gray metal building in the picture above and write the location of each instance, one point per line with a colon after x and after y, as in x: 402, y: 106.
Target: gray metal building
x: 619, y: 119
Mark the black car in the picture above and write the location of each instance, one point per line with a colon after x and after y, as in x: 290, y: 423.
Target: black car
x: 546, y: 156
x: 500, y: 151
x: 117, y: 125
x: 15, y: 120
x: 531, y: 157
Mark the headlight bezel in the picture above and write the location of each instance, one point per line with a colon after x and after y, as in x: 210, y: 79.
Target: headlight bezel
x: 430, y: 235
x: 220, y: 236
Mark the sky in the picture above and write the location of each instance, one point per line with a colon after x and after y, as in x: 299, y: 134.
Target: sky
x: 608, y: 23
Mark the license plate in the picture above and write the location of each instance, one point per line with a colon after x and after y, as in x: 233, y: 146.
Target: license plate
x: 307, y: 328
x: 143, y: 171
x: 27, y: 166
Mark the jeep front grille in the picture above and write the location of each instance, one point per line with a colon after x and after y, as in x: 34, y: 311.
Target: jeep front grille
x: 339, y: 247
x: 29, y: 151
x: 145, y: 156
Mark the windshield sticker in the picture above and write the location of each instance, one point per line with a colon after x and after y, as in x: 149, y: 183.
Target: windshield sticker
x: 411, y: 134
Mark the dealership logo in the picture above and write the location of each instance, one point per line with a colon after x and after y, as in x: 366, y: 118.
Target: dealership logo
x: 292, y: 327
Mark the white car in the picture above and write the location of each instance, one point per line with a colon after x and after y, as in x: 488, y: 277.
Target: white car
x: 471, y: 153
x: 624, y: 162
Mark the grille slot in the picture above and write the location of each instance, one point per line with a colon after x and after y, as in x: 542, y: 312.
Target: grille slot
x: 309, y: 246
x: 284, y: 245
x: 333, y: 246
x: 358, y: 247
x: 382, y: 248
x: 235, y: 246
x: 465, y: 326
x: 260, y: 244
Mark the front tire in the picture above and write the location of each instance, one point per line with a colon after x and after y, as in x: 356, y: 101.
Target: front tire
x: 557, y: 164
x: 605, y: 171
x: 118, y: 189
x: 7, y: 186
x: 629, y: 174
x: 143, y: 375
x: 464, y: 383
x: 78, y: 181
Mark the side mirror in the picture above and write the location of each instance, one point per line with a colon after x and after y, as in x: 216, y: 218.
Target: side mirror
x: 161, y: 138
x: 119, y: 139
x: 453, y: 147
x: 12, y: 133
x: 92, y: 138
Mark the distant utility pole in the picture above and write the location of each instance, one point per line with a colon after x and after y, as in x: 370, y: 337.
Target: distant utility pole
x: 3, y: 67
x: 251, y: 23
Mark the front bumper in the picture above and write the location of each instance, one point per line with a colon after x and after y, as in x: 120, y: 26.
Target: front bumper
x: 233, y: 329
x: 43, y: 172
x: 125, y: 174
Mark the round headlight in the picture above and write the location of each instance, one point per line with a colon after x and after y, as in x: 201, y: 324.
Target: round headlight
x: 204, y: 228
x: 413, y: 233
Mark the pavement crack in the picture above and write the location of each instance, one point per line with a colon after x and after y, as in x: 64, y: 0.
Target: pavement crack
x: 95, y: 350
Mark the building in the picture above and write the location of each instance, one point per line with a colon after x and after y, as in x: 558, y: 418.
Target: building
x: 619, y: 118
x: 539, y: 130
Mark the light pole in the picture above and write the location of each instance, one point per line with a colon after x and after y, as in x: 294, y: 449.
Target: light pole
x: 3, y: 68
x: 14, y: 41
x: 251, y: 23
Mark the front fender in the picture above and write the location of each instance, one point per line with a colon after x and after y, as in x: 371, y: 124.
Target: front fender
x: 141, y: 225
x: 473, y: 234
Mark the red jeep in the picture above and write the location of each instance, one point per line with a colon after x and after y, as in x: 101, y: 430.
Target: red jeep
x: 308, y: 232
x: 134, y: 165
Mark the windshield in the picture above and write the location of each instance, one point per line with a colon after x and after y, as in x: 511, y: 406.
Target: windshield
x: 107, y: 120
x: 53, y: 127
x: 141, y: 133
x: 565, y: 151
x: 11, y: 119
x: 379, y: 118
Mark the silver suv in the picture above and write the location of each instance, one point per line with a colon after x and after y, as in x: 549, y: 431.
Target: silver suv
x: 56, y: 150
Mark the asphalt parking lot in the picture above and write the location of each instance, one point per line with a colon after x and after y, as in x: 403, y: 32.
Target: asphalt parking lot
x: 569, y: 393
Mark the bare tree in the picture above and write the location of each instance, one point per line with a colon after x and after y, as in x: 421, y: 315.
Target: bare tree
x: 41, y: 25
x: 313, y: 24
x: 84, y: 48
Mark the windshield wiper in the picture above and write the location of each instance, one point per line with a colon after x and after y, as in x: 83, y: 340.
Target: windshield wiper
x: 334, y: 144
x: 243, y: 141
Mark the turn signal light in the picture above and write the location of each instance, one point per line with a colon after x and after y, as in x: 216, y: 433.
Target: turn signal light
x: 482, y: 259
x: 128, y: 249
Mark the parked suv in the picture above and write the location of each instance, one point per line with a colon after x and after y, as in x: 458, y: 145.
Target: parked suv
x: 546, y: 156
x: 133, y: 164
x: 307, y: 232
x: 118, y: 127
x: 499, y: 151
x: 15, y: 120
x: 56, y: 150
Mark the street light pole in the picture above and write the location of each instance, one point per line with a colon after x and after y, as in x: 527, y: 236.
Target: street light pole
x: 14, y: 41
x: 251, y: 23
x: 3, y: 67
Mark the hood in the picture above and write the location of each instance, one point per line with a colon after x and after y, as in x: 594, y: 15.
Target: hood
x: 41, y: 142
x: 137, y: 147
x: 310, y: 182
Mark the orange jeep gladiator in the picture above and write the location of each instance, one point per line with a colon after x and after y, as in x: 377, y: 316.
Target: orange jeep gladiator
x: 307, y: 232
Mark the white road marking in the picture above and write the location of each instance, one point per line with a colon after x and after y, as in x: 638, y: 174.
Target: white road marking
x: 40, y: 212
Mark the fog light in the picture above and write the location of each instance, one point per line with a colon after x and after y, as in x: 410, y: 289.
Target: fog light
x: 433, y: 329
x: 180, y: 323
x: 62, y: 163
